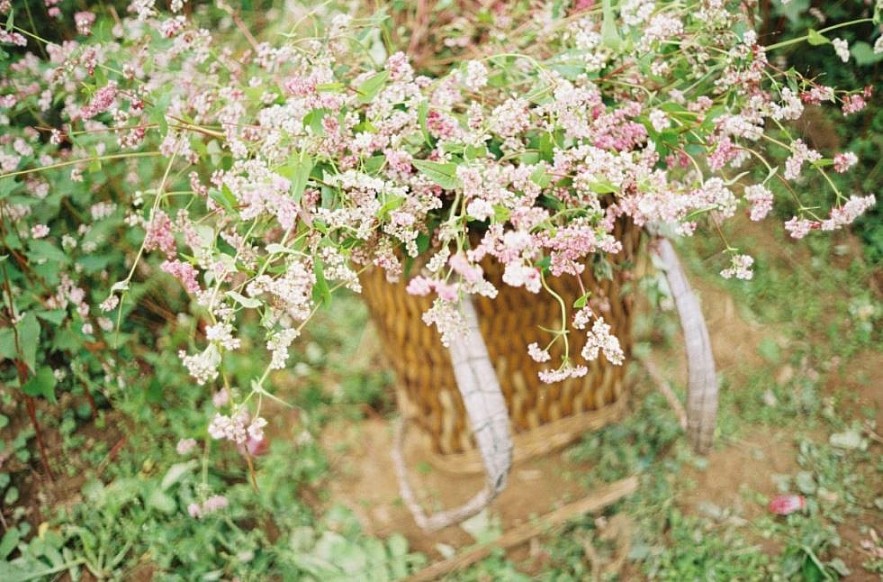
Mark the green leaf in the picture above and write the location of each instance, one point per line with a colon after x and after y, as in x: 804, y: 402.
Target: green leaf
x: 298, y: 172
x: 864, y: 54
x: 159, y: 500
x: 392, y: 203
x: 54, y: 316
x: 7, y: 344
x: 9, y: 542
x: 422, y: 112
x: 43, y: 250
x: 369, y: 89
x: 29, y: 339
x: 603, y: 188
x: 41, y: 384
x: 321, y: 291
x: 247, y: 302
x: 540, y: 177
x: 313, y: 120
x: 582, y: 300
x: 609, y: 34
x: 225, y: 198
x: 176, y: 472
x: 445, y: 175
x: 815, y: 38
x: 475, y: 152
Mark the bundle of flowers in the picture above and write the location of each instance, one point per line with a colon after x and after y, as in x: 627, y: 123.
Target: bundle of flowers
x: 264, y: 178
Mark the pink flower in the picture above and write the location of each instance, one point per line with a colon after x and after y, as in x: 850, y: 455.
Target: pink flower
x: 844, y: 161
x: 184, y: 446
x: 39, y: 231
x: 215, y: 503
x: 787, y: 504
x: 101, y: 101
x: 185, y: 273
x: 194, y: 510
x: 419, y: 286
x: 853, y: 104
x: 800, y: 227
x: 160, y: 235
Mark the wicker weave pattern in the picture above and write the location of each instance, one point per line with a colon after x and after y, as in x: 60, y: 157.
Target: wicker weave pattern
x: 426, y: 391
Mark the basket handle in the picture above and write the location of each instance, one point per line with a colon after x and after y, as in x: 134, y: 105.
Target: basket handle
x: 488, y: 417
x: 702, y: 388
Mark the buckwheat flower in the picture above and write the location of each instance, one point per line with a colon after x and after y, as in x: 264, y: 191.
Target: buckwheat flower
x: 740, y: 268
x: 184, y: 446
x: 659, y: 120
x: 518, y: 274
x: 221, y: 398
x: 841, y: 47
x: 799, y: 227
x: 87, y: 329
x: 84, y: 22
x: 101, y: 101
x: 223, y: 334
x: 562, y: 373
x: 232, y: 428
x: 447, y: 319
x: 215, y: 503
x: 538, y: 354
x: 461, y: 265
x: 256, y: 428
x: 476, y: 76
x: 790, y: 108
x: 159, y: 234
x: 278, y: 345
x: 194, y: 510
x: 399, y: 68
x: 582, y: 317
x: 204, y: 365
x: 853, y: 104
x: 601, y: 340
x: 110, y: 303
x: 12, y: 38
x: 39, y: 231
x: 878, y: 46
x: 761, y: 200
x: 845, y: 215
x: 800, y: 153
x: 184, y: 272
x: 419, y: 286
x: 818, y: 94
x: 844, y: 161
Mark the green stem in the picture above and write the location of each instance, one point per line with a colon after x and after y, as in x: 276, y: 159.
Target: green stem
x: 789, y: 42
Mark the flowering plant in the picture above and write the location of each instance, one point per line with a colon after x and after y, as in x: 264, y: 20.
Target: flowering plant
x: 265, y: 178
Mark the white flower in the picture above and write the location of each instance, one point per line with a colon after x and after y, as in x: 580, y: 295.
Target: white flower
x: 740, y: 267
x: 878, y: 46
x: 538, y: 354
x: 841, y: 47
x: 203, y: 366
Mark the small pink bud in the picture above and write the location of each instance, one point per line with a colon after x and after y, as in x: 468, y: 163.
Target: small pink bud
x: 787, y: 504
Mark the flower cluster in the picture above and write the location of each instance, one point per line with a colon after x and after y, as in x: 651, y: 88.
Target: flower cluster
x: 281, y: 171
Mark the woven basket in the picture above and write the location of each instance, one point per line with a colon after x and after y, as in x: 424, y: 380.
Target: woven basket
x: 542, y: 416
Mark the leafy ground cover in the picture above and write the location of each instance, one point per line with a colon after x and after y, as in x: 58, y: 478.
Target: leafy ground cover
x: 798, y: 351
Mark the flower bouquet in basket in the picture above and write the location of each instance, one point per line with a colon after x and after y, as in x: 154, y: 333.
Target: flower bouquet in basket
x: 265, y: 174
